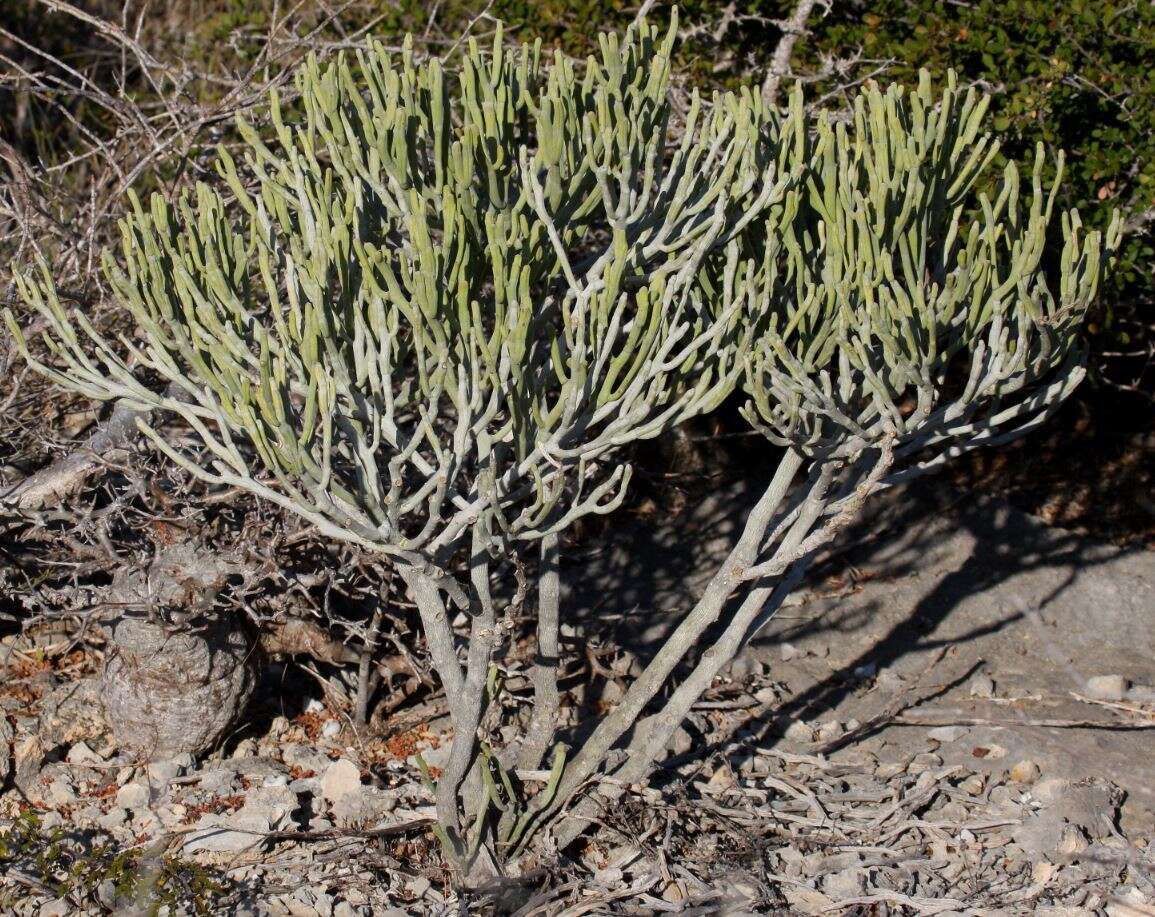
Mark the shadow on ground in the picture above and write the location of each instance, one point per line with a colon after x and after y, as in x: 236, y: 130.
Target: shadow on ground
x: 929, y: 578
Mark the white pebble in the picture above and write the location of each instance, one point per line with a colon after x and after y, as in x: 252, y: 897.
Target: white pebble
x: 798, y: 731
x: 1107, y: 687
x: 982, y: 686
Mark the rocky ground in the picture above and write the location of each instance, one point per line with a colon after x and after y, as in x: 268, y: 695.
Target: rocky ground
x: 957, y: 718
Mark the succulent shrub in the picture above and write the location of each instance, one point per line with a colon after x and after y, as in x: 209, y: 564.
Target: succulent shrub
x: 425, y: 313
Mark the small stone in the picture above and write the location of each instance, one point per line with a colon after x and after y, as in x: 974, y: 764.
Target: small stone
x: 973, y: 785
x: 799, y: 731
x: 866, y: 672
x: 722, y: 778
x: 1141, y: 694
x: 28, y: 755
x: 1050, y: 791
x: 344, y: 909
x: 890, y: 770
x: 989, y: 752
x: 133, y: 796
x: 889, y: 681
x: 162, y: 773
x: 331, y: 729
x: 221, y: 781
x: 304, y: 758
x: 340, y: 778
x: 82, y: 753
x: 1072, y: 841
x: 246, y: 748
x: 57, y: 907
x: 767, y: 696
x: 846, y: 883
x: 681, y: 742
x: 106, y: 894
x: 146, y: 822
x: 612, y: 692
x: 740, y: 668
x: 60, y: 793
x: 170, y: 817
x: 923, y: 762
x: 72, y: 712
x: 789, y: 651
x: 947, y: 734
x: 278, y: 727
x: 1025, y: 772
x: 364, y: 809
x: 982, y: 686
x: 1107, y: 687
x: 674, y: 892
x: 742, y: 892
x: 829, y: 731
x: 610, y: 877
x: 114, y: 818
x: 234, y: 834
x: 433, y: 757
x: 271, y: 804
x: 323, y: 903
x: 1131, y: 899
x: 1001, y: 797
x: 1042, y: 872
x: 257, y: 767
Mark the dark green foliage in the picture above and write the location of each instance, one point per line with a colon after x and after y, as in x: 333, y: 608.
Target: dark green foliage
x: 1076, y: 75
x: 73, y: 867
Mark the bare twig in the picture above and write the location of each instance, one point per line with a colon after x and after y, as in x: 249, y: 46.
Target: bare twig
x: 792, y: 29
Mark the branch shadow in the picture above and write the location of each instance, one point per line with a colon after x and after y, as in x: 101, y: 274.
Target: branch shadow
x: 653, y: 574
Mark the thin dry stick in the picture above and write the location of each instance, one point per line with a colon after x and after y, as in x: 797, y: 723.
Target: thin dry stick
x: 368, y: 651
x: 792, y: 29
x: 914, y: 719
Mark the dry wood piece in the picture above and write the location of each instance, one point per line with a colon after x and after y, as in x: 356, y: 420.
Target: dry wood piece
x: 68, y: 474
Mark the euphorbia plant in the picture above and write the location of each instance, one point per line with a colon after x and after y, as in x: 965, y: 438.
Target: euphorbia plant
x: 425, y: 314
x: 427, y: 317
